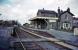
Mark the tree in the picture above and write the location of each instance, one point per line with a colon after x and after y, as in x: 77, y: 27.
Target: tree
x: 26, y: 25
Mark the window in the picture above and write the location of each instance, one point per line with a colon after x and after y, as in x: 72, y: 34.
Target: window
x: 66, y: 17
x: 66, y: 24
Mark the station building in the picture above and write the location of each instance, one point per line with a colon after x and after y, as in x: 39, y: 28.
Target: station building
x: 45, y: 19
x: 48, y: 19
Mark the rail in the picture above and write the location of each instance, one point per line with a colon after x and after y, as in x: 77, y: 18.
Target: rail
x: 54, y: 40
x: 20, y: 41
x: 24, y: 48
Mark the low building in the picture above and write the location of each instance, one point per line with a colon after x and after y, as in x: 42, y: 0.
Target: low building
x: 75, y: 22
x: 26, y: 25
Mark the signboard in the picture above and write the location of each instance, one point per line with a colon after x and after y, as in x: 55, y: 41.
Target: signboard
x: 52, y: 20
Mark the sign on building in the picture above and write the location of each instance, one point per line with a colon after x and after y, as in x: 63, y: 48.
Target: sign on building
x: 52, y: 20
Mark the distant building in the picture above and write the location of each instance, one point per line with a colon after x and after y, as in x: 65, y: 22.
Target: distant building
x: 47, y: 19
x: 75, y: 22
x: 26, y: 24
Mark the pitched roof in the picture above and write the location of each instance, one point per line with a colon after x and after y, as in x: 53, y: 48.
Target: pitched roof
x: 68, y: 12
x: 47, y: 12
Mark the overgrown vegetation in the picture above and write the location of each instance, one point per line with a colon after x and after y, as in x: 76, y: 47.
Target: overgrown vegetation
x: 9, y: 23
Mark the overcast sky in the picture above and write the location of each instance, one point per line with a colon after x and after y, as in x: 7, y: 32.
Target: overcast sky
x: 22, y: 10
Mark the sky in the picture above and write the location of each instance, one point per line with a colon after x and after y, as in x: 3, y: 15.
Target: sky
x: 23, y: 10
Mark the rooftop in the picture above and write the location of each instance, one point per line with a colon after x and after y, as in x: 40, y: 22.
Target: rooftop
x: 42, y: 11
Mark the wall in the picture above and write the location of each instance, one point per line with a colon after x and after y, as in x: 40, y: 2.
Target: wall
x: 69, y: 20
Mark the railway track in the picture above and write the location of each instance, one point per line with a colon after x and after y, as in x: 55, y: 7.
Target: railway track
x: 40, y: 33
x: 56, y: 41
x: 35, y: 45
x: 24, y: 45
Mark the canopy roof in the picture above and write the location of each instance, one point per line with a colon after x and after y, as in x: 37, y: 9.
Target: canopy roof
x: 50, y: 18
